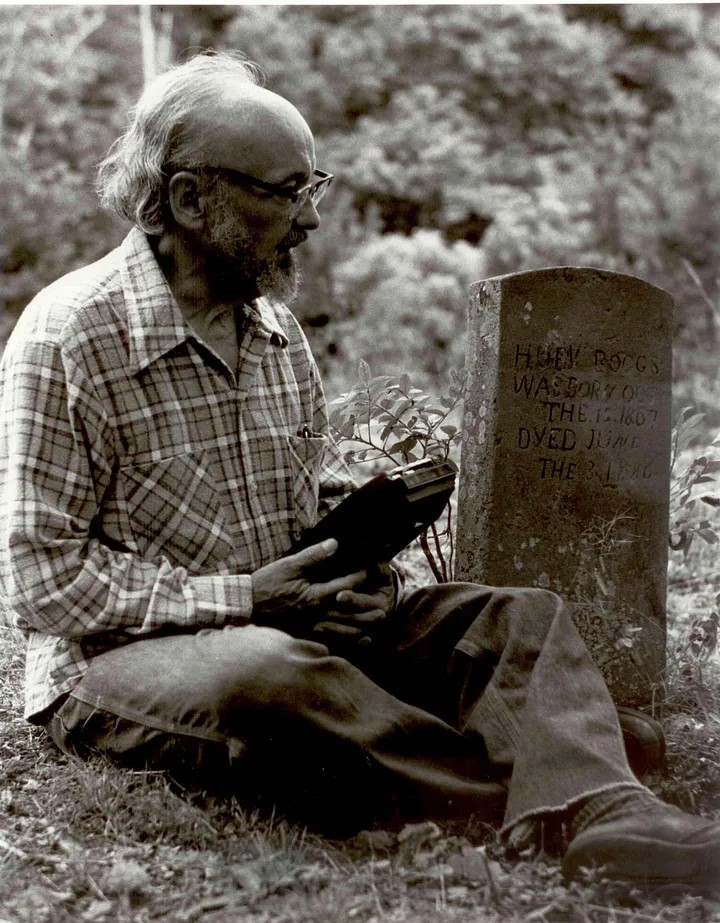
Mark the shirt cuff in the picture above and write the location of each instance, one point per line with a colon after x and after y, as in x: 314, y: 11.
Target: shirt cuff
x: 223, y: 600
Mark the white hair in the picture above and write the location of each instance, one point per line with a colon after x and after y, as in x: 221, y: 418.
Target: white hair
x: 132, y: 177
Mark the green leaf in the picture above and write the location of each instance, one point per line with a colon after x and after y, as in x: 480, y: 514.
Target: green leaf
x: 403, y: 407
x: 711, y: 501
x: 680, y: 543
x: 687, y: 429
x: 347, y: 430
x: 686, y: 549
x: 378, y: 386
x: 364, y: 372
x: 683, y: 415
x: 404, y: 446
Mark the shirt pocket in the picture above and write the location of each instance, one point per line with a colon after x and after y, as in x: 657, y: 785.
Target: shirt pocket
x: 307, y: 454
x: 175, y: 511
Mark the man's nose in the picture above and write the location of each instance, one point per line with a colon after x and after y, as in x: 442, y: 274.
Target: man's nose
x: 308, y: 217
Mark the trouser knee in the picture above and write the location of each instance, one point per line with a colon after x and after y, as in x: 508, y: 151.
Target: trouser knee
x: 275, y: 672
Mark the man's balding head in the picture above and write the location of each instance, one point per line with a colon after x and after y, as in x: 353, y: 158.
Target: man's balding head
x: 209, y: 111
x: 248, y: 120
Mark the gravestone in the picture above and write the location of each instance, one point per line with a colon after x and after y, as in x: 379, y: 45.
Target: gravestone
x: 564, y: 480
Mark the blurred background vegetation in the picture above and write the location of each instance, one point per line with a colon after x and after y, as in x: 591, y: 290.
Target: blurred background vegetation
x: 468, y: 141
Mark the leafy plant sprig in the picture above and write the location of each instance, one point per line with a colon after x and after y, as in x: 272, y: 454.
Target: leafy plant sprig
x: 387, y: 419
x: 683, y: 481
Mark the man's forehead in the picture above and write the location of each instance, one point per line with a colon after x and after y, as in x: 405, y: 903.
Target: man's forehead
x: 252, y: 129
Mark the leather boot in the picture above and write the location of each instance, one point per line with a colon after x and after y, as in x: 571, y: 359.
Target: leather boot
x: 631, y: 836
x: 644, y: 741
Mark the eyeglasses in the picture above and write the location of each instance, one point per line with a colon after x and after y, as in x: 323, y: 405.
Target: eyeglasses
x: 314, y: 190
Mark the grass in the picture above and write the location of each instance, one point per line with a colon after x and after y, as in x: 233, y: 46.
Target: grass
x: 91, y: 842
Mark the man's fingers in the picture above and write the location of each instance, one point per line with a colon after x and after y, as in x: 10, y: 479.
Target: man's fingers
x: 359, y: 601
x: 370, y: 615
x: 360, y: 605
x: 341, y: 584
x: 338, y: 628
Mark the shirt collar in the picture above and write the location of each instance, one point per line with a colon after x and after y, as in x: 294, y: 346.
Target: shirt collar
x: 266, y: 315
x: 155, y: 322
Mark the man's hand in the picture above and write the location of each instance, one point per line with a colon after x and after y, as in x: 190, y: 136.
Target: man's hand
x: 283, y: 592
x: 355, y: 611
x: 287, y: 585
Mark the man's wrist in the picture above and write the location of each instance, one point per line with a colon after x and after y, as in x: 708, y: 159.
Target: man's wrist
x: 223, y: 598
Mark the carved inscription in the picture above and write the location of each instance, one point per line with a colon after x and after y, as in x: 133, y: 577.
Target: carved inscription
x: 586, y: 413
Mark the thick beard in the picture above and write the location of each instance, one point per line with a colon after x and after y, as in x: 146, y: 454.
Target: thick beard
x: 279, y: 281
x: 232, y: 260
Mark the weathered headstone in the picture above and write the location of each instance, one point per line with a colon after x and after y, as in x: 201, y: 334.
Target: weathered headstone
x: 564, y: 478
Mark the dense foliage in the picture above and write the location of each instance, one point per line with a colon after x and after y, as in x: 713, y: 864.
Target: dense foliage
x: 468, y: 141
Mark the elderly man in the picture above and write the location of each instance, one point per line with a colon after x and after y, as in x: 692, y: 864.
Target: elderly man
x: 164, y: 444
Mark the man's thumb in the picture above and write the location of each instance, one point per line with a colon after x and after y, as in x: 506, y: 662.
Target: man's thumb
x: 318, y: 552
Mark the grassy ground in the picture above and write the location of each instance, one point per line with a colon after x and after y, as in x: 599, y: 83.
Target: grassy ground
x: 89, y: 842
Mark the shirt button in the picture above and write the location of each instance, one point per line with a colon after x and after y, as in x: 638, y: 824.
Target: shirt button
x: 252, y: 484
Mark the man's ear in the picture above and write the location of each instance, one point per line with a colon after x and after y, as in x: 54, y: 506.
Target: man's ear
x: 184, y: 200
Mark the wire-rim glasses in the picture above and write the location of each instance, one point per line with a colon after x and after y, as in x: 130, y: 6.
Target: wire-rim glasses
x: 314, y: 190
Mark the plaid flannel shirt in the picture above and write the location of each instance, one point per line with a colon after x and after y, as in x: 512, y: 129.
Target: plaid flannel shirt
x: 141, y: 481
